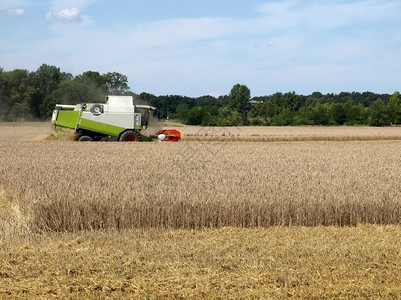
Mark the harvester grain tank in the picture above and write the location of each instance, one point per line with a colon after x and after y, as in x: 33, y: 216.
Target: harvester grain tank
x: 118, y: 119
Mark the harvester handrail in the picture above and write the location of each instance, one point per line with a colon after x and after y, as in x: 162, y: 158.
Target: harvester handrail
x: 79, y: 116
x: 65, y: 107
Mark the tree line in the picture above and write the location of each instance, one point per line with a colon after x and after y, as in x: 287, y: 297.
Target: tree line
x: 281, y: 109
x: 27, y: 96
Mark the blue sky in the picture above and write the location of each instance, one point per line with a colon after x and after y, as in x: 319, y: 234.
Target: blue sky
x: 196, y: 48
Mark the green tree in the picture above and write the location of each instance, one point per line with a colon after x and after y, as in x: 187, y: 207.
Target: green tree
x: 337, y: 114
x: 378, y: 114
x: 228, y: 117
x: 284, y: 118
x: 355, y: 114
x: 149, y: 99
x: 256, y: 110
x: 238, y: 100
x: 182, y: 113
x: 196, y: 115
x: 116, y: 83
x: 394, y: 108
x: 320, y: 114
x: 94, y: 78
x: 277, y: 100
x: 83, y: 89
x: 17, y: 95
x: 269, y: 109
x: 304, y: 116
x: 291, y: 101
x: 46, y: 107
x: 5, y: 100
x: 47, y: 78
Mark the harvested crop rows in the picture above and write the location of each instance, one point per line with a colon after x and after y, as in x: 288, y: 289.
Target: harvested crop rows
x: 228, y: 263
x: 69, y: 186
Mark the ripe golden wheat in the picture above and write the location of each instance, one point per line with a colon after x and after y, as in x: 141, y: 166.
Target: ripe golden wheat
x: 70, y: 186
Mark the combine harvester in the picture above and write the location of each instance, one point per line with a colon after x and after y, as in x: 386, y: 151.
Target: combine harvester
x: 116, y: 120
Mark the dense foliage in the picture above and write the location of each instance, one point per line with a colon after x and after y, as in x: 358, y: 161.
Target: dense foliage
x: 28, y: 96
x: 238, y: 108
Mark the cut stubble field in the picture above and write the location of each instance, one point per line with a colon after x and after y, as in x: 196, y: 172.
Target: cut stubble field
x: 226, y: 213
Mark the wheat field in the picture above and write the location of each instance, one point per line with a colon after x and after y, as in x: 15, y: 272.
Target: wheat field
x: 288, y: 133
x: 317, y: 216
x: 193, y: 185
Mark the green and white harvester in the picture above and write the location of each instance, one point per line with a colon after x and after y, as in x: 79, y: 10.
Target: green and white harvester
x: 119, y: 119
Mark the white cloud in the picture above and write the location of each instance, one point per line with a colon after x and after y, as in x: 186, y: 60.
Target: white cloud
x: 6, y: 4
x: 276, y: 7
x: 14, y: 12
x: 61, y: 4
x: 289, y: 45
x: 66, y: 15
x: 326, y: 15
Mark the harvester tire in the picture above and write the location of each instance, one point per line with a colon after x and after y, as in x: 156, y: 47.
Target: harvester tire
x: 130, y: 136
x: 85, y: 138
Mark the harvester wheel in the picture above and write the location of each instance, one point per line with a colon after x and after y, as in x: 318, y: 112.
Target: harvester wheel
x: 85, y: 138
x: 130, y: 136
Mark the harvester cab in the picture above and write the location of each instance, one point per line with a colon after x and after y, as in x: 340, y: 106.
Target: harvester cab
x: 117, y: 119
